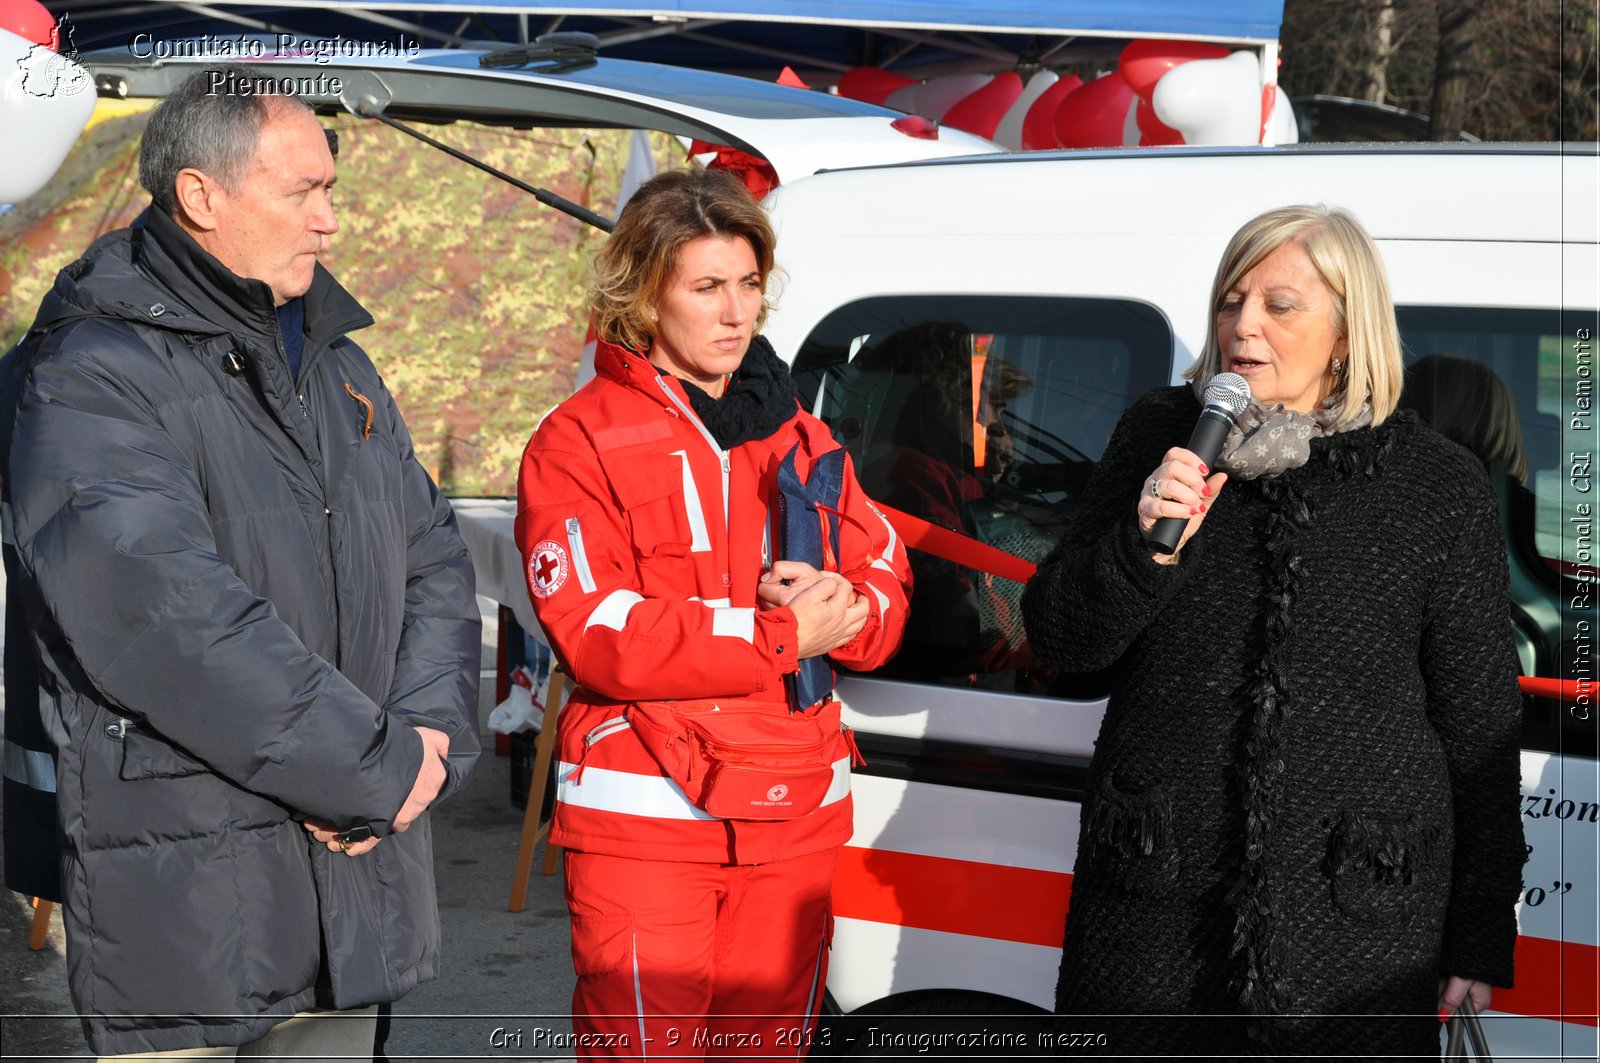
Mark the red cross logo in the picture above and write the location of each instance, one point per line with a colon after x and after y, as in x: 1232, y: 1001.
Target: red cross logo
x: 548, y: 565
x: 547, y: 568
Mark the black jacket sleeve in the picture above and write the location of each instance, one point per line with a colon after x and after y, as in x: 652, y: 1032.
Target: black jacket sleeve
x: 1470, y: 666
x: 436, y: 664
x: 1099, y: 588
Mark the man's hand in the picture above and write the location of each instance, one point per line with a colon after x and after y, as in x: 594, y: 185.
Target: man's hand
x: 430, y: 778
x: 329, y: 836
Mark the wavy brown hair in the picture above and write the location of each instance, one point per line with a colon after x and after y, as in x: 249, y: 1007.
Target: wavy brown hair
x: 631, y: 272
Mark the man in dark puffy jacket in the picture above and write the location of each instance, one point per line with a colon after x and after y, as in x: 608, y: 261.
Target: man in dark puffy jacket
x: 255, y: 618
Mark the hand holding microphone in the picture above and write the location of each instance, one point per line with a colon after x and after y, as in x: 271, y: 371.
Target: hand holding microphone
x: 1183, y: 488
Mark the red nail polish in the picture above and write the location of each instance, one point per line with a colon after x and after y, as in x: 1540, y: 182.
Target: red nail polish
x: 1193, y: 512
x: 1202, y: 507
x: 1444, y: 1014
x: 1206, y: 491
x: 1204, y: 471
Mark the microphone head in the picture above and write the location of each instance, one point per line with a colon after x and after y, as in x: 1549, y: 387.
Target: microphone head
x: 1229, y: 391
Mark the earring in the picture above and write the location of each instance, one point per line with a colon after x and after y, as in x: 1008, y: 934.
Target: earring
x: 1337, y: 366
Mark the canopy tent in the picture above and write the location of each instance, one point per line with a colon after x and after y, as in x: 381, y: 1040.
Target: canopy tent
x: 820, y: 39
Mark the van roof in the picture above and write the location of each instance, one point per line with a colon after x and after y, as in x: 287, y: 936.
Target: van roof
x: 1461, y: 191
x: 1385, y: 149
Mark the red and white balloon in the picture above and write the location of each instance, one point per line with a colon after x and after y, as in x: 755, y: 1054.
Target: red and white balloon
x: 45, y: 101
x: 1162, y: 92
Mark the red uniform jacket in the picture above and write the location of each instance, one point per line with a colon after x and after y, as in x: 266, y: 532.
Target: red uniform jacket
x: 643, y: 544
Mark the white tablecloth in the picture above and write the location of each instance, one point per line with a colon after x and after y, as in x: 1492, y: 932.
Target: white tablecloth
x: 487, y: 526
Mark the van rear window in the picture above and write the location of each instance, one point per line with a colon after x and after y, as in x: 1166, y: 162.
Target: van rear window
x: 985, y: 416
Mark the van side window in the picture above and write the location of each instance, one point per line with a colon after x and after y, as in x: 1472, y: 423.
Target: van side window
x: 1514, y: 388
x: 982, y: 416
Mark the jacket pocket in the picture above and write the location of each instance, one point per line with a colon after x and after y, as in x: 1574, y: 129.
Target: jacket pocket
x: 1379, y: 868
x: 148, y: 756
x: 1127, y: 835
x: 661, y: 501
x: 601, y: 943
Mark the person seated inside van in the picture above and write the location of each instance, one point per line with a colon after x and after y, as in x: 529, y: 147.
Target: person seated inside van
x: 1466, y: 402
x: 943, y: 451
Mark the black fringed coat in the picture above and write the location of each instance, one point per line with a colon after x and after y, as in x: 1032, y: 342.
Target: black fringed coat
x: 1303, y: 802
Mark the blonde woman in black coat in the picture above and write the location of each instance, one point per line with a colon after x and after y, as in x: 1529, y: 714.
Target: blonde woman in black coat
x: 1301, y: 834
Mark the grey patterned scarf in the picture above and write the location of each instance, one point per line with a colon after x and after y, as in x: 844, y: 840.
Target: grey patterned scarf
x: 1268, y: 440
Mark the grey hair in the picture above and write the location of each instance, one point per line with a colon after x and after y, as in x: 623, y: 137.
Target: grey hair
x: 210, y: 123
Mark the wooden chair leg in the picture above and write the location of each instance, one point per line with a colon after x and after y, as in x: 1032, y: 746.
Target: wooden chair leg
x: 41, y: 924
x: 544, y: 750
x: 552, y: 855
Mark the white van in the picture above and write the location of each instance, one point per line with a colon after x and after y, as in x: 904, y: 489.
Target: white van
x: 1087, y: 274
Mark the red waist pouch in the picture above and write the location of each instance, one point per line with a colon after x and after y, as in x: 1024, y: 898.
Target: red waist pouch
x: 744, y: 759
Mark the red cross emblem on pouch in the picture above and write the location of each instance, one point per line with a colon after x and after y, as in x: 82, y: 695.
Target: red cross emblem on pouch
x: 547, y: 568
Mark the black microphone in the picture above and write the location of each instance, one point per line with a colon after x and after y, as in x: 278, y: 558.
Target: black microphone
x: 1226, y: 397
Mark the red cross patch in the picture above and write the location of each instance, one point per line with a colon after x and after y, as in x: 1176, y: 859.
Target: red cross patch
x: 547, y: 568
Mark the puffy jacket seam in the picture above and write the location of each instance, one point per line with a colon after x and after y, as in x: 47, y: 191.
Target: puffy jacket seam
x: 185, y: 840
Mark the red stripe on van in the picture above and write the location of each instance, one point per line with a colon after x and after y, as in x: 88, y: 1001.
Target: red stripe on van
x: 1554, y: 979
x: 955, y: 896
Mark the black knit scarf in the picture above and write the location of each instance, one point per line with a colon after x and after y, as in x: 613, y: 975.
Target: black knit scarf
x: 758, y: 401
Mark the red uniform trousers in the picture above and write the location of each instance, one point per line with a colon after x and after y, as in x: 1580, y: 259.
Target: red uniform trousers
x: 698, y: 960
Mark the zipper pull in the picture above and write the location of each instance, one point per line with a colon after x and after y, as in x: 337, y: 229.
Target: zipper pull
x: 576, y: 777
x: 856, y: 759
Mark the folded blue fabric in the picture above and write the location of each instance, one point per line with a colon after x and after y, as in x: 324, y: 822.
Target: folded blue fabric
x: 807, y: 508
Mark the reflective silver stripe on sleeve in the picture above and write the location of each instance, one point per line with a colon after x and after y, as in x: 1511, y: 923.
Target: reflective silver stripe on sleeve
x: 580, y: 556
x: 700, y: 537
x: 613, y: 610
x: 737, y: 622
x: 883, y: 599
x: 31, y: 768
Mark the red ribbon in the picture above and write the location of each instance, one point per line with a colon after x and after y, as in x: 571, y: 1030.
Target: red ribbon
x: 968, y: 552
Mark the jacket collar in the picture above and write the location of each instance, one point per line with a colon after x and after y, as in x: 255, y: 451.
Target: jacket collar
x: 217, y: 296
x: 633, y: 370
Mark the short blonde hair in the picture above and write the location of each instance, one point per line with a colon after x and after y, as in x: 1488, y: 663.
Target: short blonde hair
x: 1349, y: 264
x: 632, y: 270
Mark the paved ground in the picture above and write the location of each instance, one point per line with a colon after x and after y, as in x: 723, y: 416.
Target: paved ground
x: 502, y: 972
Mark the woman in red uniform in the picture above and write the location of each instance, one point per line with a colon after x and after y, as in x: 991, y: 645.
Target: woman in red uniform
x: 699, y: 553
